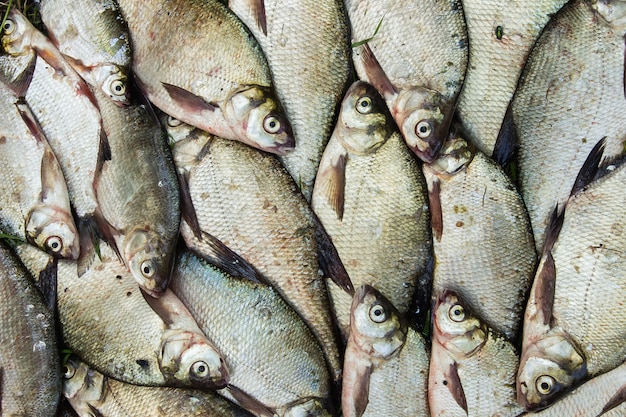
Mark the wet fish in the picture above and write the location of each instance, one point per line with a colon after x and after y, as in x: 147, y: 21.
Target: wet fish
x: 91, y: 393
x: 94, y: 38
x: 34, y: 200
x: 415, y: 55
x: 476, y: 212
x: 371, y: 197
x: 219, y: 79
x: 30, y: 378
x: 309, y: 80
x: 501, y: 35
x: 386, y: 362
x: 570, y: 95
x: 571, y: 331
x: 472, y: 367
x: 124, y: 337
x: 276, y: 365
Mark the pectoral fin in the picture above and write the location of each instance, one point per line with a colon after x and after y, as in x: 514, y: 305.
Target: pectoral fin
x: 436, y: 216
x: 329, y: 259
x: 617, y: 399
x: 507, y: 142
x: 590, y: 167
x: 453, y: 383
x: 249, y: 403
x: 332, y: 183
x: 355, y: 397
x: 375, y: 74
x: 188, y: 101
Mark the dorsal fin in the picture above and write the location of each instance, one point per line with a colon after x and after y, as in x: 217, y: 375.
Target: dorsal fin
x: 589, y: 169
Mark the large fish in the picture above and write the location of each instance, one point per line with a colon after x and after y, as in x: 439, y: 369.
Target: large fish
x: 307, y: 47
x: 501, y: 35
x: 196, y: 61
x: 415, y: 53
x: 371, y: 197
x: 571, y: 329
x: 482, y: 239
x: 30, y: 378
x: 571, y: 94
x: 94, y: 38
x: 386, y: 362
x: 276, y: 365
x: 472, y: 367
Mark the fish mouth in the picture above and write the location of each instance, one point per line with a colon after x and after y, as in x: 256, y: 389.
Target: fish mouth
x: 283, y: 149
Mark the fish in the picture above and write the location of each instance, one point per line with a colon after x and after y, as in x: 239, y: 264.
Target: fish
x: 476, y: 211
x: 386, y: 361
x: 34, y: 200
x: 571, y: 331
x: 248, y: 201
x: 276, y: 364
x: 372, y: 199
x: 91, y: 393
x: 124, y: 337
x: 219, y: 79
x: 309, y: 81
x: 138, y: 193
x: 570, y: 95
x: 419, y: 69
x: 501, y: 35
x: 472, y: 366
x: 30, y: 375
x: 94, y: 38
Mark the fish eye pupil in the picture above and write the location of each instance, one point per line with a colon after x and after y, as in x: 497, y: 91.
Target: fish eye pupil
x: 146, y: 269
x: 545, y: 386
x: 201, y: 369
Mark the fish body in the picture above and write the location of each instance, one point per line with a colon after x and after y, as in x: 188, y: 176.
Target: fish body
x: 371, y: 197
x: 218, y: 81
x: 29, y: 359
x: 570, y: 95
x: 94, y: 37
x: 418, y: 69
x: 477, y: 212
x: 386, y: 362
x: 309, y: 80
x: 472, y: 368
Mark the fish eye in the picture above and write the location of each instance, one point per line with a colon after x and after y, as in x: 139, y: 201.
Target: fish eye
x: 457, y: 313
x: 173, y: 122
x: 68, y: 371
x: 271, y: 124
x: 54, y: 244
x: 378, y: 314
x: 118, y: 87
x: 423, y: 129
x: 8, y: 27
x: 147, y: 269
x: 364, y: 105
x: 545, y: 384
x: 200, y: 369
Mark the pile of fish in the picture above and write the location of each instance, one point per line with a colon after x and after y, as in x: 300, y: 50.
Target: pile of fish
x: 313, y: 208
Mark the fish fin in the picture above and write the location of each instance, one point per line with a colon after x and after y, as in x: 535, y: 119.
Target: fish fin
x: 257, y: 8
x: 375, y: 74
x: 333, y: 183
x: 249, y: 402
x: 361, y: 389
x: 31, y: 121
x: 108, y: 233
x: 618, y: 398
x: 188, y: 101
x: 624, y: 70
x: 87, y: 235
x: 553, y: 229
x: 329, y: 258
x: 590, y: 167
x: 94, y: 412
x: 507, y: 142
x: 187, y: 209
x: 453, y: 383
x: 436, y: 216
x: 48, y: 284
x: 544, y: 295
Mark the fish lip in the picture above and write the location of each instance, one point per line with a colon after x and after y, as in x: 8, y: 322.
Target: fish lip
x: 155, y: 292
x: 283, y: 149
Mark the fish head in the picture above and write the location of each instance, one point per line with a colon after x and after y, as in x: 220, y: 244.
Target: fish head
x: 548, y: 368
x: 375, y: 324
x: 177, y: 130
x: 364, y: 120
x: 256, y: 114
x: 455, y: 154
x: 149, y: 260
x: 424, y: 117
x: 188, y: 359
x: 613, y: 12
x: 16, y: 34
x: 53, y: 230
x: 113, y: 81
x: 82, y: 386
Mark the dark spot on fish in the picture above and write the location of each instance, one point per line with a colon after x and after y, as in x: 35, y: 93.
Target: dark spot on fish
x: 118, y: 276
x: 499, y: 32
x: 584, y: 140
x: 65, y: 289
x: 445, y: 382
x: 128, y: 294
x: 3, y: 140
x: 459, y: 224
x: 143, y: 363
x: 462, y: 43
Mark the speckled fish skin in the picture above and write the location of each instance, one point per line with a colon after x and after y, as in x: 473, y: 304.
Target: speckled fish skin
x: 138, y: 193
x: 381, y: 228
x: 29, y: 359
x: 501, y: 35
x: 271, y: 353
x: 248, y: 201
x: 34, y: 200
x: 308, y: 52
x: 386, y: 362
x: 219, y: 79
x: 472, y: 368
x: 576, y: 333
x: 603, y: 396
x: 425, y: 61
x: 570, y: 95
x: 91, y: 392
x: 477, y: 212
x: 124, y: 337
x: 94, y: 37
